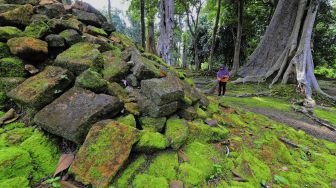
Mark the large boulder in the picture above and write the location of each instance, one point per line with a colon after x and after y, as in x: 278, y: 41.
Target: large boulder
x: 8, y: 32
x: 71, y: 36
x: 88, y: 18
x: 95, y: 31
x: 54, y: 10
x: 79, y: 57
x: 28, y: 48
x: 162, y: 91
x: 144, y: 68
x: 104, y: 43
x: 105, y: 150
x: 150, y: 142
x: 153, y: 124
x: 55, y: 41
x: 149, y: 108
x: 17, y: 17
x: 177, y: 132
x: 7, y: 7
x: 115, y: 69
x: 23, y: 2
x: 91, y: 80
x: 72, y: 114
x: 43, y: 88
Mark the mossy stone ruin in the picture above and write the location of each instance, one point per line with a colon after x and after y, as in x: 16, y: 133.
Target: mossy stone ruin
x: 96, y: 89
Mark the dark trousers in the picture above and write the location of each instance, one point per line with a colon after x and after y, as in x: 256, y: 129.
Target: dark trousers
x: 221, y: 88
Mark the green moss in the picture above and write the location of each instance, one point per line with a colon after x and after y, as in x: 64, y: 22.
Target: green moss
x: 8, y: 32
x: 4, y: 50
x: 17, y: 182
x: 12, y: 67
x: 153, y: 124
x: 91, y: 80
x: 201, y: 113
x: 150, y: 142
x: 8, y: 83
x: 14, y: 136
x: 177, y: 132
x: 14, y: 162
x: 204, y: 133
x: 191, y: 175
x: 37, y: 29
x: 19, y: 16
x: 147, y: 181
x: 97, y: 31
x: 164, y: 165
x: 187, y: 100
x: 127, y: 120
x: 116, y: 90
x: 213, y: 107
x: 3, y: 99
x: 189, y: 81
x: 115, y: 69
x: 124, y: 40
x: 326, y: 115
x: 126, y: 176
x: 251, y: 168
x: 44, y: 152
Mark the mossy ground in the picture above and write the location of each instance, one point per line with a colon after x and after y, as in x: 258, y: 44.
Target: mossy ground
x: 27, y: 155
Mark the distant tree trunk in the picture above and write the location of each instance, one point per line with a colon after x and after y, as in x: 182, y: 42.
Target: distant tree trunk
x: 109, y: 10
x: 285, y: 50
x: 236, y: 58
x: 185, y: 54
x: 151, y: 47
x: 143, y: 24
x: 165, y: 43
x: 214, y: 34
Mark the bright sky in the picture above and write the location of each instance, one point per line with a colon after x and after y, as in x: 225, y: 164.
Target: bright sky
x: 119, y: 4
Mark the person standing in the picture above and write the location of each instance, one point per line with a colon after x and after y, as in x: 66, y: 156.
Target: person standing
x: 222, y: 78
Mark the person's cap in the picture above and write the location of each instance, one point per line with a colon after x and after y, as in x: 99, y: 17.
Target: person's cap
x: 222, y: 66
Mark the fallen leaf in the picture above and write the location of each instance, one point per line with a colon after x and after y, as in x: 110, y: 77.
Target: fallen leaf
x: 64, y: 163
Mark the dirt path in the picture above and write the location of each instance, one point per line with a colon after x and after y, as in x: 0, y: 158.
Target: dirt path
x: 297, y: 122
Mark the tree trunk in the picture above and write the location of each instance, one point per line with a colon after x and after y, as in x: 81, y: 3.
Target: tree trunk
x: 286, y: 48
x: 165, y: 43
x: 236, y: 58
x: 196, y: 51
x: 214, y: 34
x: 151, y: 47
x: 143, y: 24
x: 185, y: 54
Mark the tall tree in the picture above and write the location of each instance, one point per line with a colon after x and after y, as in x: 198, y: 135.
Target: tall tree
x: 285, y: 50
x: 109, y: 10
x: 152, y: 9
x: 193, y: 24
x: 214, y: 34
x: 165, y: 43
x: 236, y: 58
x: 143, y: 24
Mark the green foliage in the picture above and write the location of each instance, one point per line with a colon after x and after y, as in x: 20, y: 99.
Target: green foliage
x: 37, y: 29
x: 146, y: 181
x: 151, y: 141
x: 327, y: 71
x: 12, y: 67
x: 164, y: 165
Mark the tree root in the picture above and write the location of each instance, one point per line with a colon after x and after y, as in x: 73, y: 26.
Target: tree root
x: 260, y: 94
x: 313, y: 116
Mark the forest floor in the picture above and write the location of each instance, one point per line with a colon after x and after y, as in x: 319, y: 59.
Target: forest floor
x: 278, y: 106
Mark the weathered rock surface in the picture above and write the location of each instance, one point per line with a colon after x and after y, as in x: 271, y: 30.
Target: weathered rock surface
x: 95, y: 31
x: 79, y: 57
x: 115, y: 69
x: 72, y: 114
x: 7, y: 7
x: 28, y: 48
x: 43, y: 88
x: 55, y: 41
x: 37, y: 29
x: 177, y: 132
x: 19, y: 16
x: 23, y: 2
x: 12, y: 67
x: 91, y: 80
x: 54, y: 10
x: 153, y: 124
x: 144, y: 68
x: 88, y: 18
x: 161, y: 91
x: 59, y: 25
x: 105, y: 150
x: 71, y: 36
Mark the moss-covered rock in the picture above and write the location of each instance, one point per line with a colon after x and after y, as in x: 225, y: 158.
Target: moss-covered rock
x: 127, y: 120
x: 115, y: 69
x: 150, y: 142
x: 19, y: 16
x: 189, y: 113
x: 132, y: 107
x: 153, y: 124
x: 116, y: 90
x: 28, y: 48
x: 96, y: 163
x: 19, y: 182
x: 201, y: 113
x: 91, y: 80
x: 164, y: 164
x: 8, y: 83
x: 122, y: 39
x: 95, y: 31
x: 37, y: 29
x: 177, y: 132
x: 8, y: 32
x: 43, y: 88
x: 23, y: 2
x: 146, y: 181
x: 204, y: 133
x: 126, y: 176
x: 12, y: 67
x: 59, y: 25
x: 4, y: 50
x: 145, y: 68
x: 79, y: 57
x: 71, y: 36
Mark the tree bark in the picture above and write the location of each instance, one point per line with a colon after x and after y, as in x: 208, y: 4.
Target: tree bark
x: 286, y: 48
x: 143, y: 24
x: 151, y: 47
x: 165, y: 43
x: 236, y: 58
x: 214, y: 34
